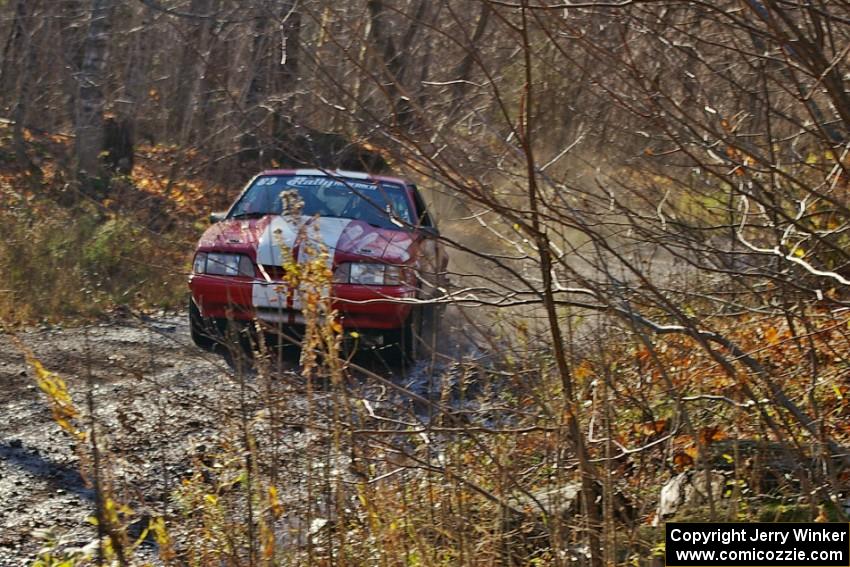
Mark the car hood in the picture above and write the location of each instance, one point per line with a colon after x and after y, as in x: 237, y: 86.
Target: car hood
x: 344, y: 239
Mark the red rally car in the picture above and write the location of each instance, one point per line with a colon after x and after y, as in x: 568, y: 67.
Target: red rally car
x: 382, y: 245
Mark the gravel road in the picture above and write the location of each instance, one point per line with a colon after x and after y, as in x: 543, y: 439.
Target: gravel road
x: 160, y: 403
x: 149, y: 385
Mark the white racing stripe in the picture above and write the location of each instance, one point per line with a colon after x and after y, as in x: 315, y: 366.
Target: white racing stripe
x: 329, y: 231
x: 268, y: 247
x: 324, y: 231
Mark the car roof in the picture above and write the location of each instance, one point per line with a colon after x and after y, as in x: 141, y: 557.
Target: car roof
x: 335, y: 173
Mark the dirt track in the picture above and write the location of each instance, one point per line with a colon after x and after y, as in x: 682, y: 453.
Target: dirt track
x: 160, y: 402
x: 149, y: 385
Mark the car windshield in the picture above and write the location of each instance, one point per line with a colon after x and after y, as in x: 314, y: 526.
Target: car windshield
x: 378, y: 203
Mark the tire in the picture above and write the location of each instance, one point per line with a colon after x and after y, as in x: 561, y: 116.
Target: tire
x: 432, y: 317
x: 411, y: 333
x: 202, y: 330
x: 417, y: 338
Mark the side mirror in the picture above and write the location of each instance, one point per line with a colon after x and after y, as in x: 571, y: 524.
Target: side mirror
x: 217, y: 217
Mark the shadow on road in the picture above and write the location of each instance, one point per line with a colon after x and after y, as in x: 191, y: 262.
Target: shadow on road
x: 58, y: 476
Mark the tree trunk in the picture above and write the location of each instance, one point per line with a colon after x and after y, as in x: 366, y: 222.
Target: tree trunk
x: 188, y: 72
x: 12, y: 48
x: 71, y: 39
x: 137, y: 68
x: 253, y: 113
x: 23, y: 45
x: 212, y: 82
x: 395, y: 62
x: 120, y: 134
x: 464, y: 70
x: 90, y: 100
x: 285, y: 76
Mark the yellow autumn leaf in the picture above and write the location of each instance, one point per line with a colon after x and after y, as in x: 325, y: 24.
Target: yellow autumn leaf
x: 771, y: 335
x: 583, y: 370
x: 274, y: 503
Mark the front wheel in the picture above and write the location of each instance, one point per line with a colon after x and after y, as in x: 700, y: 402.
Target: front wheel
x: 418, y: 337
x: 201, y: 328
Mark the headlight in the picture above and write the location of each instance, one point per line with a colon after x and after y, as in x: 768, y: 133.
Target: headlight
x: 364, y: 273
x: 220, y: 264
x: 199, y: 266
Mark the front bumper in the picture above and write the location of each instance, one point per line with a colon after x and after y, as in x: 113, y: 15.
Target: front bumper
x: 359, y: 307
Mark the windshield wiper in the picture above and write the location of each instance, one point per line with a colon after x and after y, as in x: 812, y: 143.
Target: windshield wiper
x: 374, y: 224
x: 250, y: 215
